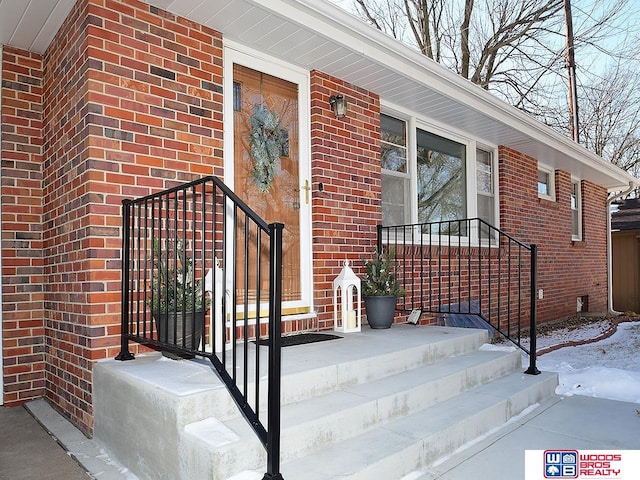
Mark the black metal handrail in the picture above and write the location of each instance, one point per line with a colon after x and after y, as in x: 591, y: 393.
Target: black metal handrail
x: 194, y: 253
x: 467, y: 267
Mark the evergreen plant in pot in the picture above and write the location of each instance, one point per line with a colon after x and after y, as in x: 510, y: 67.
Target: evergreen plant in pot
x: 177, y: 302
x: 380, y: 290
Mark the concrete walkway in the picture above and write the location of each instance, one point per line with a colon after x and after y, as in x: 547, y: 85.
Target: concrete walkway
x: 37, y: 443
x: 563, y: 423
x: 28, y: 451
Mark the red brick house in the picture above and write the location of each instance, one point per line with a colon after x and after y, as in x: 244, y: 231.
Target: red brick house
x: 104, y: 100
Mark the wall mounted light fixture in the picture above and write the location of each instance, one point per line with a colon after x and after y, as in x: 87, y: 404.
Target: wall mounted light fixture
x: 338, y: 105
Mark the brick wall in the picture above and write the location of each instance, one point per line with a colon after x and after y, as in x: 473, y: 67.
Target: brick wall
x: 566, y: 269
x: 22, y: 260
x: 133, y: 104
x: 345, y: 159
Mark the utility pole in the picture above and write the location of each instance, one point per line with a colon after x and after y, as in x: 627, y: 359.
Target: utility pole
x: 571, y: 65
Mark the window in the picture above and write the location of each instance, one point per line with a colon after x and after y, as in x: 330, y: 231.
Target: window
x: 546, y: 186
x: 427, y: 177
x: 485, y: 186
x: 576, y: 211
x: 395, y: 177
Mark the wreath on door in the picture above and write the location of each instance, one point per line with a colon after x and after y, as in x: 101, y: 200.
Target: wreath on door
x: 265, y: 141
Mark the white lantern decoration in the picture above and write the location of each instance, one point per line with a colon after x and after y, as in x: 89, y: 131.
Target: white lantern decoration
x: 349, y: 307
x: 217, y: 321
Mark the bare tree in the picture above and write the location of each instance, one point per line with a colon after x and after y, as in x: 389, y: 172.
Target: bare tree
x: 478, y: 39
x: 611, y: 118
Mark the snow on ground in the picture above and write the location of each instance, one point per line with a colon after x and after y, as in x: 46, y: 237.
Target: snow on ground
x: 571, y: 334
x: 609, y: 368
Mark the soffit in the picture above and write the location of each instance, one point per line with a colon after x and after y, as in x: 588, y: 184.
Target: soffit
x: 315, y: 34
x: 32, y: 24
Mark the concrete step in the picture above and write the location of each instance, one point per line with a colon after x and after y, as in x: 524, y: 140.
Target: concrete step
x: 339, y: 415
x: 335, y: 394
x: 414, y: 442
x: 336, y: 367
x: 191, y: 391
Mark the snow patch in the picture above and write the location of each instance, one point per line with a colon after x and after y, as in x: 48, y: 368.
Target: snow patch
x: 213, y: 432
x: 247, y: 475
x: 413, y: 476
x: 488, y: 347
x: 609, y: 368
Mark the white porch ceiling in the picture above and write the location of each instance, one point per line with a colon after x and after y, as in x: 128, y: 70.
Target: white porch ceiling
x: 315, y: 34
x: 32, y: 24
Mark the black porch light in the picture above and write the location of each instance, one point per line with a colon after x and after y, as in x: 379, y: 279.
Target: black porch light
x: 338, y: 105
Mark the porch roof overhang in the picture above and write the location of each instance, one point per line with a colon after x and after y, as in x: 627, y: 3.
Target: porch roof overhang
x: 315, y: 34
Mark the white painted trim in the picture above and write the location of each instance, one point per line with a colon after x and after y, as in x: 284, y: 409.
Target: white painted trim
x: 1, y: 282
x: 235, y: 53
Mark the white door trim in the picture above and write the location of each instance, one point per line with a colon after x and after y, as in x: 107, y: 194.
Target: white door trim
x: 1, y: 286
x: 235, y: 53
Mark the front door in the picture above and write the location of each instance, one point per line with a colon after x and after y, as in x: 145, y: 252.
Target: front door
x: 271, y: 163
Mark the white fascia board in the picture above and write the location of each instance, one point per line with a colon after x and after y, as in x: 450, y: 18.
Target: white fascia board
x: 334, y: 23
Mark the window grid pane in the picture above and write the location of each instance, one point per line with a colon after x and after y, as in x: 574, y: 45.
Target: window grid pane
x: 441, y: 178
x: 394, y: 200
x: 393, y: 144
x: 575, y: 210
x: 484, y: 172
x: 395, y: 187
x: 485, y: 187
x: 543, y: 183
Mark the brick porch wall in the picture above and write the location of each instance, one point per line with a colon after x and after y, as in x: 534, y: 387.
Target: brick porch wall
x: 22, y: 258
x: 133, y: 104
x: 345, y: 159
x: 566, y: 269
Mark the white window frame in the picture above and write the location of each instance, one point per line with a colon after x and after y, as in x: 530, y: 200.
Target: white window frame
x: 413, y: 122
x: 235, y: 53
x: 551, y: 185
x: 494, y: 181
x: 578, y: 183
x: 409, y: 175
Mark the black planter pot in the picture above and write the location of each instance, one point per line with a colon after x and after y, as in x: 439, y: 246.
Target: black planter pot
x: 177, y: 328
x: 380, y: 310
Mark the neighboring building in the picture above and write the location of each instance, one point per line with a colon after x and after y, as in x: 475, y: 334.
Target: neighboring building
x: 625, y: 252
x: 110, y: 99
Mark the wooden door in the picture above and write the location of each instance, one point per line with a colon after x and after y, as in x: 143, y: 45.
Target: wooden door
x: 625, y: 252
x: 266, y: 160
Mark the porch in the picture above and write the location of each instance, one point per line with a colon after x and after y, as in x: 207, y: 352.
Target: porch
x: 372, y: 404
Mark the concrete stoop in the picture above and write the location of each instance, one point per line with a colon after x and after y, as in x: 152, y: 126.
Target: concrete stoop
x: 361, y: 407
